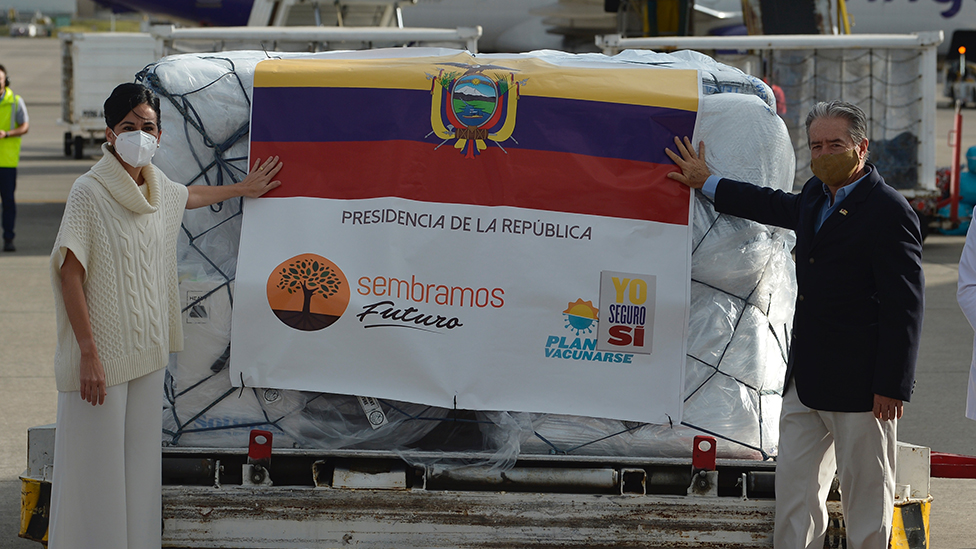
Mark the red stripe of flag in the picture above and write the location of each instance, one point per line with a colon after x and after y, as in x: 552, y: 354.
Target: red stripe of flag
x: 541, y: 180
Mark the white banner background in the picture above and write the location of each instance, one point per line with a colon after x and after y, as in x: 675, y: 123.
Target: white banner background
x: 497, y: 359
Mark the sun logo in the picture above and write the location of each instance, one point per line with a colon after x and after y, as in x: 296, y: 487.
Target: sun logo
x: 308, y: 292
x: 473, y: 107
x: 580, y: 316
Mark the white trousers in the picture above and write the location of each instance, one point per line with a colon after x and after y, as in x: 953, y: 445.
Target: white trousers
x: 106, y: 490
x: 813, y: 445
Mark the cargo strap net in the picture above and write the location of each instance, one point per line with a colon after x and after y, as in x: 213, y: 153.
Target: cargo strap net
x: 742, y: 299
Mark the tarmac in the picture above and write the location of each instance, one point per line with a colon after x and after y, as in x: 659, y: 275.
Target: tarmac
x: 935, y: 417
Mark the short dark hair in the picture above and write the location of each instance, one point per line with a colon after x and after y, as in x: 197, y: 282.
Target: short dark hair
x: 857, y: 127
x: 6, y: 75
x: 126, y: 97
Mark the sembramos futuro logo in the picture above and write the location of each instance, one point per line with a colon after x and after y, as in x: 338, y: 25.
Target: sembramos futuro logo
x: 308, y: 292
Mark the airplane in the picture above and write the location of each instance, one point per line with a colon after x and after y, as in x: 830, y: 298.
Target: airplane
x: 901, y: 16
x: 508, y: 25
x: 523, y: 25
x: 216, y: 13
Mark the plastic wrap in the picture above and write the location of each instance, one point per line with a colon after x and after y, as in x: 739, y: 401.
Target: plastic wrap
x: 741, y: 311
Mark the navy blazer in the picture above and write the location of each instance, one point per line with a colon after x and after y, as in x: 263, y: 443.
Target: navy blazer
x: 859, y: 289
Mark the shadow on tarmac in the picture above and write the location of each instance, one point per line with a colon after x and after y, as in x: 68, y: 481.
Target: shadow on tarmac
x: 37, y: 227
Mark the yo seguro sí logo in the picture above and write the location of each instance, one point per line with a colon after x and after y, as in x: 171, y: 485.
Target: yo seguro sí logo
x: 627, y: 304
x: 308, y: 292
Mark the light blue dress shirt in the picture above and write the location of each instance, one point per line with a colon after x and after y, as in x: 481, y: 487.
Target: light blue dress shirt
x: 829, y: 206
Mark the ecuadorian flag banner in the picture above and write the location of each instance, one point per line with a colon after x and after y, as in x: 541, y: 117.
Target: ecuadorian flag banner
x: 476, y: 232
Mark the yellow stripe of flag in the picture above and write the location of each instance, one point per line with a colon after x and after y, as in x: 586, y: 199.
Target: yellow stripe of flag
x: 652, y: 87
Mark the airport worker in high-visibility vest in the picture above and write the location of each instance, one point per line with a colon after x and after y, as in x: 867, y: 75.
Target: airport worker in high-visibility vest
x: 13, y: 125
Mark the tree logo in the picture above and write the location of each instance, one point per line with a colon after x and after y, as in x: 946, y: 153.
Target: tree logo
x: 308, y: 292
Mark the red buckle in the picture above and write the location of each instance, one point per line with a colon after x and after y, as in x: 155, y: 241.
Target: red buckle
x: 259, y: 449
x: 703, y: 454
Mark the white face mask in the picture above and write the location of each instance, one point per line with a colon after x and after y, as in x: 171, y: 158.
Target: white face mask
x: 136, y: 148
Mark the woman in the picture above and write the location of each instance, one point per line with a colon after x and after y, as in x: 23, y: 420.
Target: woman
x: 113, y: 269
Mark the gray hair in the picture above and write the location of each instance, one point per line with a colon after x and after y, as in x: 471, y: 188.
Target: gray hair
x: 857, y: 127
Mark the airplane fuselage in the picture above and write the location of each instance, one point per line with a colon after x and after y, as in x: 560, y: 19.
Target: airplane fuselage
x: 509, y: 26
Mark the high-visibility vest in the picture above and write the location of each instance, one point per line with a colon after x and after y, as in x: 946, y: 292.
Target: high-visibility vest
x: 9, y: 146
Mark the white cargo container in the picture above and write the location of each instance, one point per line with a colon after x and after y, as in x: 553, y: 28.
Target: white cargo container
x: 892, y: 77
x: 92, y: 64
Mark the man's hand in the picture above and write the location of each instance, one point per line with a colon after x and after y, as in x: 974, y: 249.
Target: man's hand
x: 887, y: 408
x: 694, y: 171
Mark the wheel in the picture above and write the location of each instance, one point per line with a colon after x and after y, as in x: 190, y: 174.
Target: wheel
x: 79, y: 147
x: 67, y: 143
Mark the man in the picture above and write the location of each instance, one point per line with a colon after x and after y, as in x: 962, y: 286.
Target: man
x: 13, y: 124
x: 966, y: 296
x: 855, y: 330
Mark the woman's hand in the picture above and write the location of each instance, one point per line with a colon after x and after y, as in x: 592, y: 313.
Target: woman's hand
x: 92, y: 379
x: 260, y: 179
x: 258, y: 182
x: 72, y: 291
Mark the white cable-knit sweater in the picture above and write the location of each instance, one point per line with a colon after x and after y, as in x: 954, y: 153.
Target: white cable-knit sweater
x: 127, y: 245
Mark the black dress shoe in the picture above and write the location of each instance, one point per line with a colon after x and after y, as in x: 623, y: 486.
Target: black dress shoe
x: 8, y: 246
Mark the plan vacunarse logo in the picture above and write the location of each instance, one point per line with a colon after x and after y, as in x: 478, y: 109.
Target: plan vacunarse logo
x: 575, y: 343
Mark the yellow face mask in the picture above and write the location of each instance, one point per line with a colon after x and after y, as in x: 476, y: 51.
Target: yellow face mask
x: 834, y: 169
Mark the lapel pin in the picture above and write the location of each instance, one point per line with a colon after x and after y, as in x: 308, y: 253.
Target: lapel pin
x: 843, y: 212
